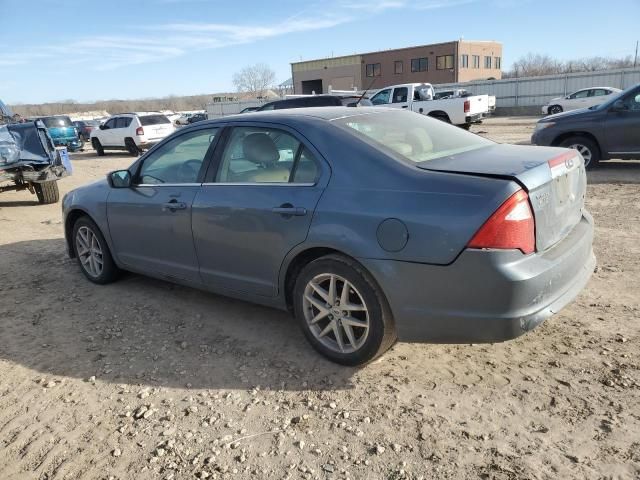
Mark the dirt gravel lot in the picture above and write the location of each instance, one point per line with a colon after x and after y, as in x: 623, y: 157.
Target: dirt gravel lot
x: 142, y: 379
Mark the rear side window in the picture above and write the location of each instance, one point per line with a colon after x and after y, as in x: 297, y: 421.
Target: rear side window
x: 153, y: 120
x: 410, y: 136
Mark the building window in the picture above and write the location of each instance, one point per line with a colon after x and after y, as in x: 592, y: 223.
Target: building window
x: 374, y: 70
x: 419, y: 64
x: 444, y: 62
x: 476, y: 61
x: 497, y: 63
x: 398, y: 67
x: 464, y: 61
x: 487, y: 62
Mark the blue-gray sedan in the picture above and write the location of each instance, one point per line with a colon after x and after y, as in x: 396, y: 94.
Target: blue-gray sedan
x: 369, y: 224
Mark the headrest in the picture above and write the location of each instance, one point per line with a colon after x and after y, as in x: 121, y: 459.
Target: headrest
x: 259, y: 148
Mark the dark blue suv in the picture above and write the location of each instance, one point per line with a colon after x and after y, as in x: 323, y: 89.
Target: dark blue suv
x: 608, y: 130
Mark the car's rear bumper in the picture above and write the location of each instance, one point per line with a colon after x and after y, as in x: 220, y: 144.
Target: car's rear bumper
x: 476, y: 117
x: 485, y: 296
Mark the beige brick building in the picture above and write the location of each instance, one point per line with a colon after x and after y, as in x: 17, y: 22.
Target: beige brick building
x: 457, y: 61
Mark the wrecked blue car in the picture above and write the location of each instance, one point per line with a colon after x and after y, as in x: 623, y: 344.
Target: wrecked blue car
x: 30, y: 161
x: 63, y: 132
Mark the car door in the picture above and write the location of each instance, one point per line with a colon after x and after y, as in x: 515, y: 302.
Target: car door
x: 400, y: 99
x: 120, y: 132
x: 577, y: 100
x: 255, y: 206
x: 150, y: 222
x: 106, y: 133
x: 622, y: 125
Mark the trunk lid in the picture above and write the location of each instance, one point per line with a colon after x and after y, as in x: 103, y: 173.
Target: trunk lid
x: 554, y: 178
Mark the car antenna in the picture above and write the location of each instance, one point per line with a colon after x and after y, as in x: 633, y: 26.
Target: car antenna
x: 365, y: 92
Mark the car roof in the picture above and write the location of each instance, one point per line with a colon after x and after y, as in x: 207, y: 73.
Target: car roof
x: 325, y: 113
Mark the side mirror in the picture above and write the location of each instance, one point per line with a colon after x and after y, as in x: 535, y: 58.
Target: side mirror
x: 102, y: 127
x: 119, y: 179
x: 619, y: 106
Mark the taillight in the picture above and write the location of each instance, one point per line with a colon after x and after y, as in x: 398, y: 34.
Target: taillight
x: 511, y: 226
x: 467, y: 106
x: 139, y: 131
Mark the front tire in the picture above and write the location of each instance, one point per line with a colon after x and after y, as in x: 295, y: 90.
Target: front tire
x: 47, y: 192
x: 342, y: 311
x: 587, y: 148
x: 92, y: 252
x: 553, y: 109
x: 97, y: 146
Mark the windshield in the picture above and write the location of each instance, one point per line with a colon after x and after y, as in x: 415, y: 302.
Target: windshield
x: 153, y: 120
x: 56, y: 122
x: 411, y: 136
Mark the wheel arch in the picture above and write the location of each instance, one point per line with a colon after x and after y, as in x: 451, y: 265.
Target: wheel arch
x: 69, y: 221
x: 439, y: 114
x: 580, y: 133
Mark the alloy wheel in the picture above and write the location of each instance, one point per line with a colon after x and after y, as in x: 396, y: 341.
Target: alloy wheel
x: 584, y: 151
x: 336, y: 313
x: 89, y: 251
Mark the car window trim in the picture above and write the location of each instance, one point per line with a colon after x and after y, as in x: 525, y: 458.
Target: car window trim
x: 205, y: 162
x: 216, y: 160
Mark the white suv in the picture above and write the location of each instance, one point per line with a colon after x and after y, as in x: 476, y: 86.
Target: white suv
x: 131, y: 131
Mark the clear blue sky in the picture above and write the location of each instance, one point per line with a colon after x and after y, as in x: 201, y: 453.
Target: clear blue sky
x: 104, y: 49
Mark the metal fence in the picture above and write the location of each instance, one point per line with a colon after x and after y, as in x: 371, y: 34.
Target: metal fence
x: 537, y: 91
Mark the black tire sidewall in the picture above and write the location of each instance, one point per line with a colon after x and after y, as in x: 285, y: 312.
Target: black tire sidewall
x: 373, y: 300
x: 97, y: 146
x: 555, y: 109
x: 132, y: 148
x: 109, y: 268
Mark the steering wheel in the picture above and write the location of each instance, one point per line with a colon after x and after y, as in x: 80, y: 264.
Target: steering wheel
x: 188, y: 171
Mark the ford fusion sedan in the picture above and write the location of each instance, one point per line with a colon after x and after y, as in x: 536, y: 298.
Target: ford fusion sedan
x: 609, y: 130
x: 369, y: 225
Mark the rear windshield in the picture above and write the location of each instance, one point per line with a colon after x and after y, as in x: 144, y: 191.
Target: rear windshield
x: 411, y: 136
x: 153, y: 120
x: 56, y: 122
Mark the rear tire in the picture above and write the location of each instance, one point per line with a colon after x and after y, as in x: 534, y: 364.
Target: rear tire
x: 366, y: 305
x: 88, y: 241
x: 97, y: 146
x: 443, y: 117
x: 132, y: 148
x: 587, y: 148
x: 47, y: 192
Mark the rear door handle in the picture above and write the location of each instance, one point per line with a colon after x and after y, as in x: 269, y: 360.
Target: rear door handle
x: 174, y: 205
x: 289, y: 210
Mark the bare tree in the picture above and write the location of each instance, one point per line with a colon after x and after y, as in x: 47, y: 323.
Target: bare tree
x: 533, y: 65
x: 255, y: 79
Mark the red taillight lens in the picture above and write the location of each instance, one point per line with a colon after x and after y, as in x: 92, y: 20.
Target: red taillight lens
x: 467, y: 106
x: 139, y: 131
x: 511, y: 226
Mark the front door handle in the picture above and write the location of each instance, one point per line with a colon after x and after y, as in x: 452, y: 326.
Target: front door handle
x: 288, y: 210
x: 174, y: 205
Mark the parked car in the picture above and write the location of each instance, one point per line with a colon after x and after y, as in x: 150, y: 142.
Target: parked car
x: 367, y: 224
x: 608, y: 130
x: 183, y: 119
x: 63, y: 132
x: 317, y: 101
x: 132, y: 132
x: 584, y: 98
x: 462, y: 93
x: 30, y: 161
x: 419, y: 97
x: 198, y: 117
x: 85, y: 127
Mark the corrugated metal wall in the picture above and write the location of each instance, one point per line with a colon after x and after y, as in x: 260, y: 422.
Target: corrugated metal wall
x: 537, y: 91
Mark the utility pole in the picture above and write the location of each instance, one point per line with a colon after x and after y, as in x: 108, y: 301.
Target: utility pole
x: 635, y: 60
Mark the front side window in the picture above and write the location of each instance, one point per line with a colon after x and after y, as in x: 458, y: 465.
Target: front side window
x: 444, y: 62
x: 265, y: 155
x: 398, y: 67
x: 111, y: 123
x: 123, y: 122
x: 382, y: 97
x: 411, y: 137
x: 632, y: 102
x: 419, y: 64
x: 179, y: 160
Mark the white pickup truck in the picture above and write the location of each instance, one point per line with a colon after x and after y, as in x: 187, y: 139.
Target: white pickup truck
x: 418, y: 97
x: 461, y: 92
